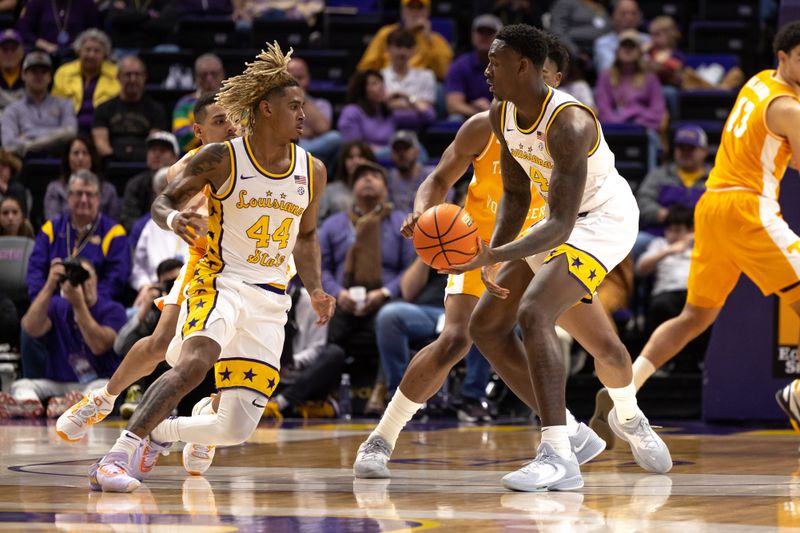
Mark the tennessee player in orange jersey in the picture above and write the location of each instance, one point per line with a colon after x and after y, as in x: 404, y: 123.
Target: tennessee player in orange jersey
x: 475, y: 143
x: 738, y: 224
x: 210, y: 126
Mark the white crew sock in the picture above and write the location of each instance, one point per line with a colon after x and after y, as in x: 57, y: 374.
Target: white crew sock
x: 572, y: 424
x: 397, y: 414
x: 126, y: 443
x: 624, y: 399
x: 642, y: 370
x: 558, y: 438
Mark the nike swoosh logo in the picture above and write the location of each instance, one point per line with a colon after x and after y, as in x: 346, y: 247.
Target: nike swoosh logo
x: 259, y: 406
x: 247, y: 177
x: 509, y: 129
x: 577, y: 449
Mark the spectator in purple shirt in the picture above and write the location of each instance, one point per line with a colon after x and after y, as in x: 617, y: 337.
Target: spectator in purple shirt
x: 362, y: 251
x: 52, y: 25
x: 628, y: 93
x: 466, y: 89
x: 367, y: 116
x: 79, y: 329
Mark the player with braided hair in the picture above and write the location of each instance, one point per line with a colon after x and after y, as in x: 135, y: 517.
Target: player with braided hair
x: 262, y: 208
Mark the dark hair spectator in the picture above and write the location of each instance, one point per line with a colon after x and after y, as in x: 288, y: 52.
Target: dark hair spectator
x: 78, y: 154
x: 10, y: 166
x: 11, y: 54
x: 337, y: 195
x: 367, y: 117
x: 13, y: 222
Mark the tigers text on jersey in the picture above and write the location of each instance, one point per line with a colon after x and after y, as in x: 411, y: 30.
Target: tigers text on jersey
x: 529, y: 148
x: 254, y: 219
x: 750, y: 156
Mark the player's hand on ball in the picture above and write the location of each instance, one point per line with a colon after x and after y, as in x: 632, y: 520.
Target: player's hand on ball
x: 188, y: 225
x: 484, y: 257
x: 407, y: 229
x: 324, y: 305
x: 488, y: 276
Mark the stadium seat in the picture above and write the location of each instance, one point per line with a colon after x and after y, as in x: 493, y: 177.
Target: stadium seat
x: 14, y: 254
x: 351, y: 33
x: 721, y: 37
x: 705, y: 105
x: 166, y: 97
x: 359, y: 6
x: 288, y: 33
x: 118, y: 173
x: 438, y: 136
x: 728, y: 61
x: 629, y: 143
x: 746, y: 10
x: 445, y: 27
x: 205, y: 33
x: 36, y: 174
x: 159, y: 63
x: 333, y: 66
x: 633, y: 172
x: 677, y: 9
x: 233, y: 60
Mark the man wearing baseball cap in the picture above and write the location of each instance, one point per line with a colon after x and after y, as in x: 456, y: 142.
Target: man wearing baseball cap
x: 432, y: 50
x: 162, y: 151
x: 679, y: 182
x: 466, y: 89
x: 408, y: 172
x: 11, y: 53
x: 38, y: 122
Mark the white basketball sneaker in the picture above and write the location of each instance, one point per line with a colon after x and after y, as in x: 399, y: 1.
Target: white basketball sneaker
x: 648, y: 449
x: 788, y: 401
x: 73, y: 423
x: 197, y: 458
x: 548, y: 471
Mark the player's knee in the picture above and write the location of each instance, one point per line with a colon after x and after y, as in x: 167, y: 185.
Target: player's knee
x: 611, y: 350
x: 481, y: 327
x: 455, y: 342
x: 532, y: 318
x: 190, y: 371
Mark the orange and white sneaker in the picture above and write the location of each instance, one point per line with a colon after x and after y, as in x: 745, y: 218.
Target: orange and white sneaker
x: 58, y: 405
x: 73, y: 423
x: 112, y: 474
x: 197, y: 458
x: 145, y: 457
x: 10, y: 407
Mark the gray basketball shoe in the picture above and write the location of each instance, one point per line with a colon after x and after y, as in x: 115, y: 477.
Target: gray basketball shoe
x: 648, y: 449
x: 586, y: 444
x: 549, y: 471
x: 373, y: 455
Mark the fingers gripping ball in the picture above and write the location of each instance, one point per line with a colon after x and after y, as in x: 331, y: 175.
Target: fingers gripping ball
x: 446, y: 235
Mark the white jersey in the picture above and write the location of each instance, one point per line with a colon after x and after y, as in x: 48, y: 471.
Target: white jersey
x: 254, y: 218
x: 529, y: 148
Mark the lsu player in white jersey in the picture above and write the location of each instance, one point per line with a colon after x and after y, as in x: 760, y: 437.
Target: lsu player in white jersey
x: 476, y: 144
x: 552, y: 140
x: 263, y: 207
x: 211, y: 126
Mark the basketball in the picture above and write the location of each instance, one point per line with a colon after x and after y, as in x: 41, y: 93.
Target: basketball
x: 446, y: 235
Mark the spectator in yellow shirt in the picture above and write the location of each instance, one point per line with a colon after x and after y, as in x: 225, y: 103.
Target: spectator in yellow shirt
x: 432, y: 50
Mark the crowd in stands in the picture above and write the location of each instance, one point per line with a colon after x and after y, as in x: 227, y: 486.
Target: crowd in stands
x: 91, y: 120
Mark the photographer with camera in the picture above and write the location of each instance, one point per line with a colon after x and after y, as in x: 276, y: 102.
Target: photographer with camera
x: 78, y: 329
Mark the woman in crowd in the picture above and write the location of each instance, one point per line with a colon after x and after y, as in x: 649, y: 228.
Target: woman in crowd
x: 367, y: 116
x: 337, y: 195
x: 12, y: 219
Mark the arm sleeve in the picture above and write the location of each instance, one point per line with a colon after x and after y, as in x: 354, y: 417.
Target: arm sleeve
x: 375, y: 55
x: 349, y: 124
x: 647, y: 197
x: 38, y: 265
x: 10, y: 128
x: 117, y: 268
x: 329, y: 282
x: 606, y: 111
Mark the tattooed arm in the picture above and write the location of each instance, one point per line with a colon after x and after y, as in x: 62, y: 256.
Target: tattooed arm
x: 516, y: 199
x: 571, y: 137
x: 307, y: 256
x: 211, y: 165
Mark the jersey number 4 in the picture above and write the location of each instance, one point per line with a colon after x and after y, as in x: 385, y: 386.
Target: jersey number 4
x: 260, y: 232
x: 736, y: 124
x: 539, y: 179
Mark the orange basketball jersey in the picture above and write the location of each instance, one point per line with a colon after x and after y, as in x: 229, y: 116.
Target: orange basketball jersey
x: 751, y: 156
x: 486, y: 189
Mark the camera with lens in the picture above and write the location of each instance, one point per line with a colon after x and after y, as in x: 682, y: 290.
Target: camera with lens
x: 74, y: 271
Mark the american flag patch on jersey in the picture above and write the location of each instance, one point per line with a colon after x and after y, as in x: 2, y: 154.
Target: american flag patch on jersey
x: 301, y: 180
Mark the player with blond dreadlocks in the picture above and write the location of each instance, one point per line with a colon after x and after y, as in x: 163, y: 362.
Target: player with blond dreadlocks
x: 263, y: 202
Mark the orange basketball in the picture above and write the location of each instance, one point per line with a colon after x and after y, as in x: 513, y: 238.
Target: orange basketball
x: 446, y: 235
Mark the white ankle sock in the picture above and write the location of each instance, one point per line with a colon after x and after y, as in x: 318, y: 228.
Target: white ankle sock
x: 624, y: 399
x: 167, y: 430
x: 642, y: 370
x: 572, y: 424
x: 106, y: 396
x: 397, y: 414
x: 558, y: 438
x: 282, y: 402
x: 126, y: 443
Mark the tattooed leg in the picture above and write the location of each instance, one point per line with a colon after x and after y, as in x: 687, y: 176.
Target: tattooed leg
x: 198, y: 355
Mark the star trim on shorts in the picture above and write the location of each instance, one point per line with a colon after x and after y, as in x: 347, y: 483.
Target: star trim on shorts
x: 592, y: 274
x: 212, y: 211
x: 226, y: 374
x: 196, y: 272
x: 270, y: 384
x: 192, y: 322
x: 210, y: 234
x: 577, y: 263
x: 249, y: 375
x: 200, y: 304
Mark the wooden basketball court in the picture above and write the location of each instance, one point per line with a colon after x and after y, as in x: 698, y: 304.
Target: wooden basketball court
x: 297, y: 477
